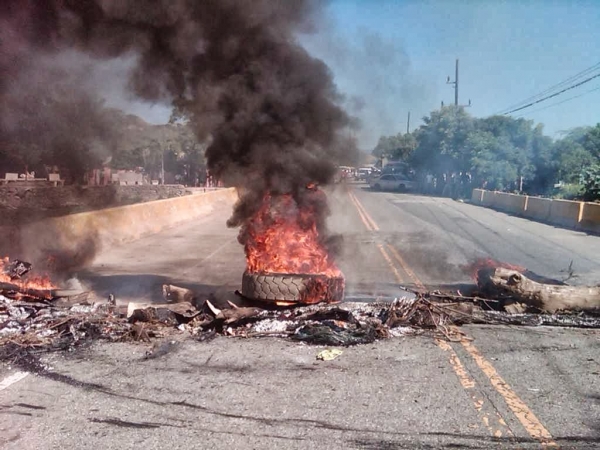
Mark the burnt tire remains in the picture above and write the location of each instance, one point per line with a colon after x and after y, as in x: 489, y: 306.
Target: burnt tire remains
x: 299, y: 288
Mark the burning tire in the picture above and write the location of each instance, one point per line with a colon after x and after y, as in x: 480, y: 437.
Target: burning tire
x: 292, y: 288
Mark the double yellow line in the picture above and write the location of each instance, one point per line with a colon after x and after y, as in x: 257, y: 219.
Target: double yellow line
x: 362, y: 212
x: 526, y: 417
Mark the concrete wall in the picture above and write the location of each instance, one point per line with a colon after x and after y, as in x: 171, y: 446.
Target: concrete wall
x: 514, y: 204
x: 477, y: 196
x: 88, y: 231
x: 565, y: 213
x: 538, y: 209
x: 488, y: 198
x: 578, y: 215
x: 590, y: 218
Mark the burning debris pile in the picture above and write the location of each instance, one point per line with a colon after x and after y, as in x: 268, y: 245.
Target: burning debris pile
x: 42, y: 325
x: 16, y: 282
x: 41, y: 320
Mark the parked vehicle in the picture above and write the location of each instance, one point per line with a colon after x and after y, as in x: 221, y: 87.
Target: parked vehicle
x: 396, y: 167
x: 391, y: 182
x: 363, y: 173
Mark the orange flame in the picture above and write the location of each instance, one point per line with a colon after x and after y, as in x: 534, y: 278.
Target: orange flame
x: 283, y: 237
x: 37, y: 282
x: 489, y: 263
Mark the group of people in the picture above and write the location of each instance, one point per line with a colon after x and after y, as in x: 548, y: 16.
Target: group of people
x: 453, y: 185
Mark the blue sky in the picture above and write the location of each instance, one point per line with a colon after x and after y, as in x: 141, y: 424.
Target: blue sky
x: 396, y: 55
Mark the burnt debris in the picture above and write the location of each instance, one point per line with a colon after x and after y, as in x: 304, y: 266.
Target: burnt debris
x: 16, y: 269
x: 30, y: 324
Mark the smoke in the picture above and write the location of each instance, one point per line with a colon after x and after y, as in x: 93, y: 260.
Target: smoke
x: 49, y: 116
x: 232, y: 67
x: 377, y: 75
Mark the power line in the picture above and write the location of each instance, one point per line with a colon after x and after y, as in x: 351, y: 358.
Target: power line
x: 559, y: 103
x: 587, y: 80
x: 552, y: 88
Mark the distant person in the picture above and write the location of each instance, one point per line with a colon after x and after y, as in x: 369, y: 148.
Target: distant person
x: 429, y: 183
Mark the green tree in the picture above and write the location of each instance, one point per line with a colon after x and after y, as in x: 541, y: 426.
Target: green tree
x: 571, y: 158
x: 544, y: 163
x: 591, y: 141
x: 441, y: 141
x: 398, y: 147
x: 514, y: 147
x: 494, y: 160
x: 577, y: 150
x: 590, y: 179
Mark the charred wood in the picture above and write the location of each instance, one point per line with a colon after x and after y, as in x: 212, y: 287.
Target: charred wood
x: 177, y: 294
x: 14, y: 290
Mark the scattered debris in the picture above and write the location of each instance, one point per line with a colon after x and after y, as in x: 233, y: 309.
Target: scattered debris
x: 161, y: 348
x: 176, y: 294
x: 329, y: 355
x: 37, y: 320
x: 16, y: 269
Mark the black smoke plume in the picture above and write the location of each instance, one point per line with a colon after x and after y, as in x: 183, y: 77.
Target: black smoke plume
x: 233, y: 68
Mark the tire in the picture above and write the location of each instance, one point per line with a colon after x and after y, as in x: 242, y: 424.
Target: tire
x: 288, y: 287
x: 401, y: 188
x: 377, y: 187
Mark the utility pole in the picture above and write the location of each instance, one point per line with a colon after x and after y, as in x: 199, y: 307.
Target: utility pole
x: 162, y: 163
x: 408, y: 124
x: 455, y: 84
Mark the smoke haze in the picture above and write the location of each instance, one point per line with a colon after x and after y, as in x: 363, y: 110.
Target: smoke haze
x: 378, y: 77
x: 232, y: 67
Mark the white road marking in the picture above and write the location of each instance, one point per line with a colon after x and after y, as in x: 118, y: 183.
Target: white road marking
x: 12, y: 379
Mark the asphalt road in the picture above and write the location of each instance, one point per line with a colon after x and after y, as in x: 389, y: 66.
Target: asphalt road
x: 503, y: 387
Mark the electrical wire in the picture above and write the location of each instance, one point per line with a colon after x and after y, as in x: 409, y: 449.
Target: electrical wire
x: 550, y: 89
x: 559, y: 103
x: 587, y: 80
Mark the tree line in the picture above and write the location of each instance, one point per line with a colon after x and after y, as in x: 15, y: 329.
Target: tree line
x: 113, y: 139
x: 500, y: 153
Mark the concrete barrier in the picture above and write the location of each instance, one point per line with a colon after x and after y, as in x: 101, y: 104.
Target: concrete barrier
x: 537, y: 208
x: 512, y: 203
x: 477, y: 196
x: 565, y: 213
x: 86, y: 232
x: 487, y: 199
x: 590, y: 218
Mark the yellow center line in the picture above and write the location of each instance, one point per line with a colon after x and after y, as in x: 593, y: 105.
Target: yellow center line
x: 372, y: 226
x: 360, y: 213
x: 530, y: 422
x: 406, y: 268
x: 361, y: 208
x: 469, y: 386
x: 527, y: 418
x: 390, y: 263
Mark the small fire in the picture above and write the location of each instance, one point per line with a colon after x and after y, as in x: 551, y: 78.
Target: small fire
x: 283, y: 238
x: 28, y: 282
x: 489, y: 263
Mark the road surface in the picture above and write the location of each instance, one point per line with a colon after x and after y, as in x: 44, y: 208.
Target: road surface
x: 502, y: 387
